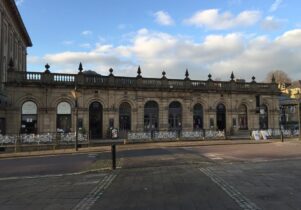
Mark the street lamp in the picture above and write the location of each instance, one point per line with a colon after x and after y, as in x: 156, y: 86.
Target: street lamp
x: 76, y: 94
x: 298, y: 103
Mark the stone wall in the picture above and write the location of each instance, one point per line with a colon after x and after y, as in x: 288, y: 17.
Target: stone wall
x: 47, y: 99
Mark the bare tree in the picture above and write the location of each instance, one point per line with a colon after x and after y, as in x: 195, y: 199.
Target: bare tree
x: 279, y: 75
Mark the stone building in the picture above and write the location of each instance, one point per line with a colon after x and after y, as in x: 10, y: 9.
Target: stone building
x: 43, y: 102
x: 14, y: 41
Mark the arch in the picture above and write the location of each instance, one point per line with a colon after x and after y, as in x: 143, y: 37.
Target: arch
x: 63, y: 108
x: 20, y: 101
x: 125, y: 111
x: 57, y: 101
x: 151, y: 116
x: 125, y: 100
x: 95, y: 120
x: 29, y: 117
x: 243, y: 117
x: 63, y: 117
x: 29, y: 107
x: 175, y: 115
x: 263, y: 117
x: 198, y: 116
x: 221, y: 116
x: 91, y: 100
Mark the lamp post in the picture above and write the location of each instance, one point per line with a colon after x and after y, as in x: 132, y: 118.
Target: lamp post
x: 298, y: 101
x: 75, y: 93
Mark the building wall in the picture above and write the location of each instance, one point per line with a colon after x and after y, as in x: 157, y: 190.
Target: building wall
x: 47, y: 100
x: 12, y: 43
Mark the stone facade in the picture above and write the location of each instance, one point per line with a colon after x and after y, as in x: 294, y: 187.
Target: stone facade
x: 14, y: 39
x: 44, y: 102
x: 47, y: 90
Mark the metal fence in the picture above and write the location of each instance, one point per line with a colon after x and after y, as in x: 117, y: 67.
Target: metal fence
x: 173, y: 135
x: 44, y: 138
x: 274, y: 133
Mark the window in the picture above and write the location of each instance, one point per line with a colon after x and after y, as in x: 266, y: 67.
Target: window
x: 175, y: 116
x: 29, y: 117
x: 63, y: 120
x: 243, y: 117
x: 125, y: 116
x: 151, y: 116
x: 263, y: 117
x: 197, y: 117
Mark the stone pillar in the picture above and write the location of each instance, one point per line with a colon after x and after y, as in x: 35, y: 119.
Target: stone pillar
x: 163, y: 115
x: 140, y: 114
x: 187, y: 115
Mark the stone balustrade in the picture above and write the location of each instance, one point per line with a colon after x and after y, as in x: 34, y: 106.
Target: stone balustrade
x: 39, y: 78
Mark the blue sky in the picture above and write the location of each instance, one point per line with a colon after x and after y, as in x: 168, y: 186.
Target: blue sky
x: 245, y: 36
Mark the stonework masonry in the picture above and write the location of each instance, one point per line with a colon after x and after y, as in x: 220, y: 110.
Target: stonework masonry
x: 46, y: 102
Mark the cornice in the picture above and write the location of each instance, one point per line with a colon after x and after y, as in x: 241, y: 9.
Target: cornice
x: 11, y: 5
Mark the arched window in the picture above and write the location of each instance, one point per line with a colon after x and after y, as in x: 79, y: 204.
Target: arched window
x: 63, y: 117
x: 221, y: 116
x: 243, y: 117
x: 263, y: 117
x: 29, y: 117
x: 197, y: 117
x: 125, y: 116
x: 175, y: 116
x: 151, y: 116
x: 95, y: 120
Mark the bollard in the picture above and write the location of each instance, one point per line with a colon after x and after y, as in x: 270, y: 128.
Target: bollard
x: 282, y: 140
x: 113, y: 149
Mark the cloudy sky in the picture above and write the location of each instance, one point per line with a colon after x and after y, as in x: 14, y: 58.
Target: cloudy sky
x: 249, y: 37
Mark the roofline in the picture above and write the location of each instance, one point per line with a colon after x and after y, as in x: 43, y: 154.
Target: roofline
x: 20, y: 22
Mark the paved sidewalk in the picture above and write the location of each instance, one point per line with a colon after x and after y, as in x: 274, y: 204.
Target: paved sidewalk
x: 137, y: 146
x: 164, y: 188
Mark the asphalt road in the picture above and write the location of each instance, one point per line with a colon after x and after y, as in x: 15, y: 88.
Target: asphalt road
x: 259, y: 176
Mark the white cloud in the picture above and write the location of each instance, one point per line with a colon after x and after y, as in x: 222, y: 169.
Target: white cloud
x: 85, y: 45
x: 86, y: 32
x: 213, y: 19
x: 19, y: 2
x: 163, y: 18
x: 275, y: 5
x: 218, y: 54
x: 271, y: 24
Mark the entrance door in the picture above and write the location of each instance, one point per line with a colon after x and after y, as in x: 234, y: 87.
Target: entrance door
x: 2, y: 126
x: 95, y: 120
x: 221, y: 117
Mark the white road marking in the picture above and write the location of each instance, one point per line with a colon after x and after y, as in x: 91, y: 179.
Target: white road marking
x: 86, y: 183
x: 87, y: 202
x: 50, y: 175
x: 239, y: 198
x: 213, y: 156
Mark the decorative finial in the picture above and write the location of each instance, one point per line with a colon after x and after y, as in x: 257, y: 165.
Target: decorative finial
x: 232, y: 76
x: 111, y: 72
x: 139, y: 72
x: 209, y: 77
x: 253, y: 79
x: 80, y: 67
x: 47, y: 67
x: 163, y: 74
x: 186, y: 75
x: 273, y: 79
